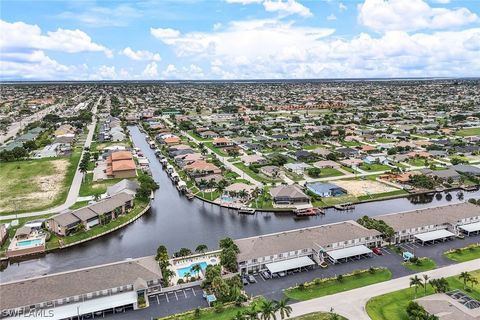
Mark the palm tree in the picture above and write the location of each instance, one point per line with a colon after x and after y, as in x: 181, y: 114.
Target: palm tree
x: 201, y: 248
x: 239, y: 316
x: 187, y: 275
x: 252, y: 313
x: 466, y: 278
x: 283, y: 308
x: 415, y: 282
x: 473, y: 282
x: 425, y: 281
x: 196, y: 269
x: 268, y: 310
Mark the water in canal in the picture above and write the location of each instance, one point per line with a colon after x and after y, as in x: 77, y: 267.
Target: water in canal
x: 177, y: 222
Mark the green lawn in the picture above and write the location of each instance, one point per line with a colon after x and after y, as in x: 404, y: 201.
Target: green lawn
x: 319, y: 316
x: 468, y: 253
x: 228, y: 313
x: 329, y: 172
x: 22, y: 180
x: 79, y: 204
x: 263, y: 201
x: 374, y: 167
x: 209, y: 195
x: 218, y: 151
x: 348, y: 169
x: 331, y: 286
x: 383, y: 195
x: 425, y: 264
x: 90, y: 188
x: 417, y: 162
x: 468, y: 132
x: 331, y: 201
x: 252, y: 174
x: 391, y: 306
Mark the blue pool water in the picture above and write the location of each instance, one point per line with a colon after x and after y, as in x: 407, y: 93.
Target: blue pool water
x: 227, y: 199
x: 181, y: 272
x: 26, y: 243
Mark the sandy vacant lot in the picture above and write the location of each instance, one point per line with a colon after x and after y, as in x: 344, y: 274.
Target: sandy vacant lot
x: 363, y: 187
x: 31, y: 184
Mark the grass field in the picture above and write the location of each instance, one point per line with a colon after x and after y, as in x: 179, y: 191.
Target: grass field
x: 329, y: 172
x: 33, y: 185
x: 468, y: 132
x: 424, y: 265
x: 319, y: 316
x: 90, y: 188
x: 374, y: 167
x: 464, y: 254
x: 252, y: 174
x: 391, y: 306
x: 218, y: 151
x: 332, y: 286
x: 383, y: 195
x: 228, y: 312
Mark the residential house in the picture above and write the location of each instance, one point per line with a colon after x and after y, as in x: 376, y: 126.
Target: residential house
x: 291, y: 194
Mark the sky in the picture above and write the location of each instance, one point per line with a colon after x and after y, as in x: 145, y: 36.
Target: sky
x: 238, y: 39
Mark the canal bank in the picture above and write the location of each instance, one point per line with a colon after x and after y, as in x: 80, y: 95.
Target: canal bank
x: 177, y: 222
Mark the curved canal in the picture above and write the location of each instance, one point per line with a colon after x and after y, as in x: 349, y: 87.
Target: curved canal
x: 177, y: 222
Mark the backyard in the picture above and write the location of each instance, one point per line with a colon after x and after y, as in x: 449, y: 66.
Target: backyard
x: 32, y: 185
x: 392, y: 306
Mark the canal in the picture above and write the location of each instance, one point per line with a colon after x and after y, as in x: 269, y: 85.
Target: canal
x: 177, y: 222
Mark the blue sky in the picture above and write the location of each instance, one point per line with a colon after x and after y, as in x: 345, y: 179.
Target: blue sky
x: 238, y: 39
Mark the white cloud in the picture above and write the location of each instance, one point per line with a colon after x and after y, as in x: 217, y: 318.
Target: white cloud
x: 287, y: 7
x: 141, y: 55
x: 150, y: 71
x: 164, y: 34
x: 382, y: 15
x: 97, y: 16
x: 342, y: 7
x: 244, y: 2
x: 442, y: 1
x: 20, y: 36
x: 217, y: 26
x: 331, y: 17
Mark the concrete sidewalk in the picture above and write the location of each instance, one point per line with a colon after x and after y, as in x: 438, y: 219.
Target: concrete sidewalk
x: 351, y: 304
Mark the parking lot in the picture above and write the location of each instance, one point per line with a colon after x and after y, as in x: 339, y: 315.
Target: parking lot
x: 188, y: 299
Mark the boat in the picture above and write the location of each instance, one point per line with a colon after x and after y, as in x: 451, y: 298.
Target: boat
x: 189, y: 195
x: 246, y: 210
x: 308, y: 212
x: 344, y: 206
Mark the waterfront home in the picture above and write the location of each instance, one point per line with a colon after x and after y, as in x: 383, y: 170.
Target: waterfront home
x: 186, y: 159
x: 433, y: 223
x: 120, y: 164
x: 173, y: 140
x: 325, y: 189
x: 27, y: 240
x: 287, y: 250
x: 291, y: 194
x: 95, y: 290
x: 66, y: 223
x: 201, y: 168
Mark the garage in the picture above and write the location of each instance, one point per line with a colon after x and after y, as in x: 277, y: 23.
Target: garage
x: 432, y: 236
x: 290, y: 264
x: 342, y: 255
x: 471, y: 228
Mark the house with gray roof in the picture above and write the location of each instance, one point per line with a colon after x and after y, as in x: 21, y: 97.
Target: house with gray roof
x: 291, y: 194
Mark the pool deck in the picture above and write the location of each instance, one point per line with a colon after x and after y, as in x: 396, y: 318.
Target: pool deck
x: 210, y: 258
x: 15, y: 250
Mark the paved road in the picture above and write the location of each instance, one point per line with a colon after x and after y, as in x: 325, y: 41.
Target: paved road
x: 76, y: 182
x: 351, y: 304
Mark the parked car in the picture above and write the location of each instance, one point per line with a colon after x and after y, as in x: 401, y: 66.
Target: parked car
x: 251, y: 279
x: 282, y: 274
x: 265, y: 275
x: 245, y: 281
x: 274, y: 275
x: 377, y: 251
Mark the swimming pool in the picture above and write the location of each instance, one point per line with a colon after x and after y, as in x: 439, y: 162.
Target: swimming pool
x: 181, y: 272
x: 28, y: 243
x: 227, y: 199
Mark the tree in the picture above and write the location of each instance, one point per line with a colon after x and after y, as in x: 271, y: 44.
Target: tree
x: 466, y: 277
x: 415, y: 282
x: 267, y: 310
x: 283, y: 308
x: 183, y: 252
x: 425, y: 282
x: 201, y: 248
x: 473, y: 282
x: 228, y: 259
